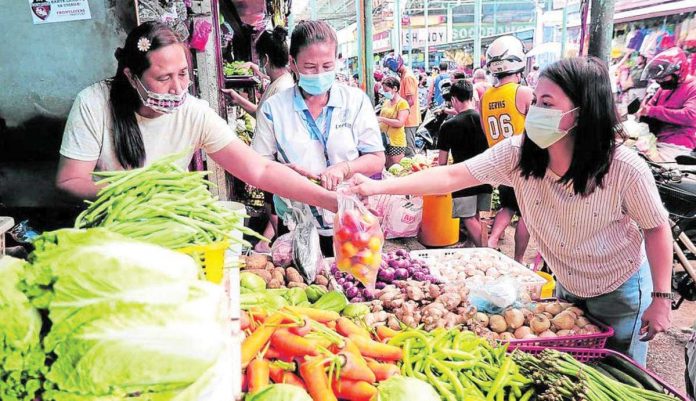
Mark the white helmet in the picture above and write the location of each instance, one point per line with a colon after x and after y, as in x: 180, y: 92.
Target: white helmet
x: 505, y: 56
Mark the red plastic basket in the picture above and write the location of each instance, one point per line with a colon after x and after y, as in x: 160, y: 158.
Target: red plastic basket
x: 596, y: 340
x: 590, y: 354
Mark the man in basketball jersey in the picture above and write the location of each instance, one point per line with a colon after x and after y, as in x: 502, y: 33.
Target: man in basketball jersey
x: 503, y: 108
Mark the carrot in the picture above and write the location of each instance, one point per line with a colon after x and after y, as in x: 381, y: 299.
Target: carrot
x: 244, y: 321
x: 316, y: 380
x: 245, y: 383
x: 376, y: 349
x: 258, y: 374
x: 319, y: 315
x: 302, y: 330
x: 353, y: 390
x: 272, y: 353
x: 293, y: 345
x: 253, y: 344
x: 385, y: 333
x: 291, y: 378
x: 275, y: 372
x: 382, y: 371
x: 331, y: 324
x: 353, y: 365
x: 346, y: 327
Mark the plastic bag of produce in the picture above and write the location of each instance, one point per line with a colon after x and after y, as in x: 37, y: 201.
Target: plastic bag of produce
x: 358, y: 239
x: 400, y: 216
x: 493, y: 296
x: 281, y: 250
x: 306, y: 251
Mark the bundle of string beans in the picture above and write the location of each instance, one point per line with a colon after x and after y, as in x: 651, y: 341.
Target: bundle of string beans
x: 162, y: 204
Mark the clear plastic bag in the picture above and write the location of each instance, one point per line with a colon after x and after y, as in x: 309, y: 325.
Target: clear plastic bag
x: 358, y: 239
x: 306, y: 250
x: 281, y: 250
x: 493, y: 296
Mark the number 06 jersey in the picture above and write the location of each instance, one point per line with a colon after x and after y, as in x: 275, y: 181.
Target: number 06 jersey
x: 499, y: 113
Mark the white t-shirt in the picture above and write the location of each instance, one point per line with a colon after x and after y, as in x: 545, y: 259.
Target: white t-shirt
x: 88, y: 134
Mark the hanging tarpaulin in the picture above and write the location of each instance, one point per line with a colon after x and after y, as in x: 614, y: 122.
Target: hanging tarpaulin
x: 170, y: 12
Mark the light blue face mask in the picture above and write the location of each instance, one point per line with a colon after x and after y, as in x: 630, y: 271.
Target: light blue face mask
x: 317, y: 84
x: 388, y: 95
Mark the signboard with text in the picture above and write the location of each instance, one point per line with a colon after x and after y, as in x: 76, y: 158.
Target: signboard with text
x: 47, y: 11
x: 416, y: 37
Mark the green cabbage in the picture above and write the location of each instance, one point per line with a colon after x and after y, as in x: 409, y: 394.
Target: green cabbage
x: 21, y: 355
x: 398, y: 388
x: 280, y: 392
x: 129, y: 320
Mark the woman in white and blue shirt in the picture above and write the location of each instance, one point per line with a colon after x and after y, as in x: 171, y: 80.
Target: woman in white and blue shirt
x: 325, y: 130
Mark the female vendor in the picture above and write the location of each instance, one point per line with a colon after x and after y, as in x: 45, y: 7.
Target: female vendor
x: 326, y: 130
x: 144, y: 113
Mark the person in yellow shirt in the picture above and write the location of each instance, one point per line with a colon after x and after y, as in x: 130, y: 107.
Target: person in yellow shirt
x: 408, y: 92
x: 392, y: 120
x: 503, y: 108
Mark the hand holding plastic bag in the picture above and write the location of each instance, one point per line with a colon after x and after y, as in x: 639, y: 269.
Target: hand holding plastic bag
x: 358, y: 239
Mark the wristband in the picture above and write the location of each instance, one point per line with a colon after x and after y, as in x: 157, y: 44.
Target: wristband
x: 663, y: 295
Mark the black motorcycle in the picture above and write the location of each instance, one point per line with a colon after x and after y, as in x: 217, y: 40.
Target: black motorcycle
x: 677, y: 187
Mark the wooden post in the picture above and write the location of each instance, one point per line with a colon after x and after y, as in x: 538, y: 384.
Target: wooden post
x: 209, y: 84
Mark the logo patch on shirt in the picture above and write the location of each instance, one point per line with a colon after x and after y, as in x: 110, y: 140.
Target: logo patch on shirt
x: 344, y: 125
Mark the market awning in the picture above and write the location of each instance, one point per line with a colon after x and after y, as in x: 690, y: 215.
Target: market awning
x: 659, y: 10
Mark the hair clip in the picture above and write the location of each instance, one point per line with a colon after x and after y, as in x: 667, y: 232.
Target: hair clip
x: 143, y: 44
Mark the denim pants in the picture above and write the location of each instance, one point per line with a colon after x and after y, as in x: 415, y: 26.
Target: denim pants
x: 621, y: 309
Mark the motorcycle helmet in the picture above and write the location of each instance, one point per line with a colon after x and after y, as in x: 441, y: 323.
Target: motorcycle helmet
x: 393, y: 62
x: 669, y: 62
x: 506, y: 56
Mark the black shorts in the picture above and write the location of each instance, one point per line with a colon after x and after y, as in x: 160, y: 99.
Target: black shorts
x: 508, y: 199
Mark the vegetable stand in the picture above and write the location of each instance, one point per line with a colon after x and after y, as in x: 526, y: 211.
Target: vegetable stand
x: 6, y: 223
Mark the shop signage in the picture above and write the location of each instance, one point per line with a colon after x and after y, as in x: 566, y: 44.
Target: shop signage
x: 416, y: 37
x: 47, y: 11
x: 381, y: 42
x: 469, y: 31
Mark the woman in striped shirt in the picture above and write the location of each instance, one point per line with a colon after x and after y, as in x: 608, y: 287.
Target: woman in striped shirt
x: 591, y: 204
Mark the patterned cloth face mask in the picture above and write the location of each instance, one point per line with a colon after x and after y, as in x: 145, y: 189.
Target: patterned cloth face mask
x: 162, y: 102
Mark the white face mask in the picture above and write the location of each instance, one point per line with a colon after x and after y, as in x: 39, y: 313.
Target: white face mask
x: 162, y: 102
x: 542, y: 124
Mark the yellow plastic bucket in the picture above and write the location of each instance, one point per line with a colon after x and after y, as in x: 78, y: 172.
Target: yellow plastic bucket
x: 547, y: 290
x: 438, y: 228
x: 210, y: 257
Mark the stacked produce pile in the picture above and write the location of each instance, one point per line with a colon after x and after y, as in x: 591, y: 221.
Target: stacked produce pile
x: 328, y: 355
x: 560, y: 377
x: 480, y: 266
x: 461, y: 366
x: 395, y: 265
x: 276, y: 276
x: 410, y: 165
x: 236, y: 68
x: 545, y: 320
x: 21, y: 356
x: 124, y: 320
x: 162, y: 204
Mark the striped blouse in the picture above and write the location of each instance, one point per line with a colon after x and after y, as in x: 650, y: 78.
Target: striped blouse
x: 592, y: 244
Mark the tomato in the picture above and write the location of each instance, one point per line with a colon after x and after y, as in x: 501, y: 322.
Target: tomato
x: 375, y: 244
x: 361, y: 240
x: 348, y: 250
x: 342, y: 235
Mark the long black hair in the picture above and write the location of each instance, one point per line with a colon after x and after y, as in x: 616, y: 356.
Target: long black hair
x: 585, y: 80
x: 124, y: 99
x: 273, y: 44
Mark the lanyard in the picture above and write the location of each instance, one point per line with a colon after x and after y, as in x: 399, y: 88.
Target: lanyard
x: 315, y: 133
